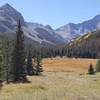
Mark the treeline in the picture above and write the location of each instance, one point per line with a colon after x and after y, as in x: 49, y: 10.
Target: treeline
x: 86, y: 48
x: 15, y: 62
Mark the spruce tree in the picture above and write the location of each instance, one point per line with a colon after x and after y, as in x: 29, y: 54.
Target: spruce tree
x: 98, y: 66
x: 29, y: 64
x: 1, y: 61
x: 0, y: 68
x: 7, y: 59
x: 91, y: 70
x: 4, y: 59
x: 38, y: 64
x: 18, y: 57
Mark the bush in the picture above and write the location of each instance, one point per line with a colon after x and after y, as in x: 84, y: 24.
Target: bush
x: 91, y: 70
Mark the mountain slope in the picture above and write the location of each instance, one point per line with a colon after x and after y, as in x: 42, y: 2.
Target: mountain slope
x: 71, y: 30
x: 33, y: 31
x: 42, y: 35
x: 90, y: 36
x: 87, y: 46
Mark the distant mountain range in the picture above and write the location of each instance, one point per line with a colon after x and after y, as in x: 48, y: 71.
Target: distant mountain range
x: 39, y: 34
x: 71, y: 30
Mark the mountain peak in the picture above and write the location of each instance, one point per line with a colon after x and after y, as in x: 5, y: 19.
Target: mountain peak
x: 7, y: 6
x: 10, y: 14
x: 49, y: 27
x: 97, y: 17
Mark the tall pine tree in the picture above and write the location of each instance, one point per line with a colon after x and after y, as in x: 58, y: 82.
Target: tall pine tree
x: 1, y: 60
x: 18, y: 57
x: 38, y: 64
x: 29, y: 64
x: 98, y: 66
x: 7, y: 59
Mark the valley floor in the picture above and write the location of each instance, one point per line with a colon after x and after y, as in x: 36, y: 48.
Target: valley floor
x: 56, y: 85
x: 78, y: 65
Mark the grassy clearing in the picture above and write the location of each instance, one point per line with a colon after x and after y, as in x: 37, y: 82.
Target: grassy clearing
x: 68, y: 65
x: 56, y: 85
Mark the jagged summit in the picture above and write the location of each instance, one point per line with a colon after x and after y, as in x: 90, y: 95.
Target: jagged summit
x: 71, y: 30
x: 7, y: 7
x: 97, y: 18
x: 49, y: 27
x: 10, y: 14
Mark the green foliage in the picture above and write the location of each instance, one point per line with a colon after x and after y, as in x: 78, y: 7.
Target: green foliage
x: 18, y: 57
x: 1, y: 59
x: 90, y: 41
x: 91, y: 70
x: 5, y: 58
x: 38, y: 64
x: 98, y: 66
x: 29, y: 64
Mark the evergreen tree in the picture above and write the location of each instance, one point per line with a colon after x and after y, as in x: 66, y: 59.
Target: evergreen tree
x: 0, y: 68
x: 38, y: 64
x: 98, y: 66
x: 1, y: 64
x: 1, y: 61
x: 29, y: 64
x: 91, y: 70
x: 3, y: 53
x: 18, y: 57
x: 7, y: 59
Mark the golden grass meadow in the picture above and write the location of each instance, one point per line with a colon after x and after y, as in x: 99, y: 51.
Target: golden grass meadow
x: 62, y: 79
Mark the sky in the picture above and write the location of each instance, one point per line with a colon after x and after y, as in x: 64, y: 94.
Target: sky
x: 56, y: 12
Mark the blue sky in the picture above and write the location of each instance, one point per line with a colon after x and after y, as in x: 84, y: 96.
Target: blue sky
x: 56, y: 12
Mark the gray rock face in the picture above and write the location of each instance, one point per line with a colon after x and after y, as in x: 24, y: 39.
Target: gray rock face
x: 41, y: 34
x: 71, y: 30
x: 9, y: 18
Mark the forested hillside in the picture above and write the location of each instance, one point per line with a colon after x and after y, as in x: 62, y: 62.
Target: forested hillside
x: 87, y: 46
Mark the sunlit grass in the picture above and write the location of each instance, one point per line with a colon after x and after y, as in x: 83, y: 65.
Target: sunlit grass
x: 68, y: 64
x: 55, y: 86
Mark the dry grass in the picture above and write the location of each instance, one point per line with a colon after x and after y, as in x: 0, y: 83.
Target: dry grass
x: 68, y: 65
x: 57, y: 85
